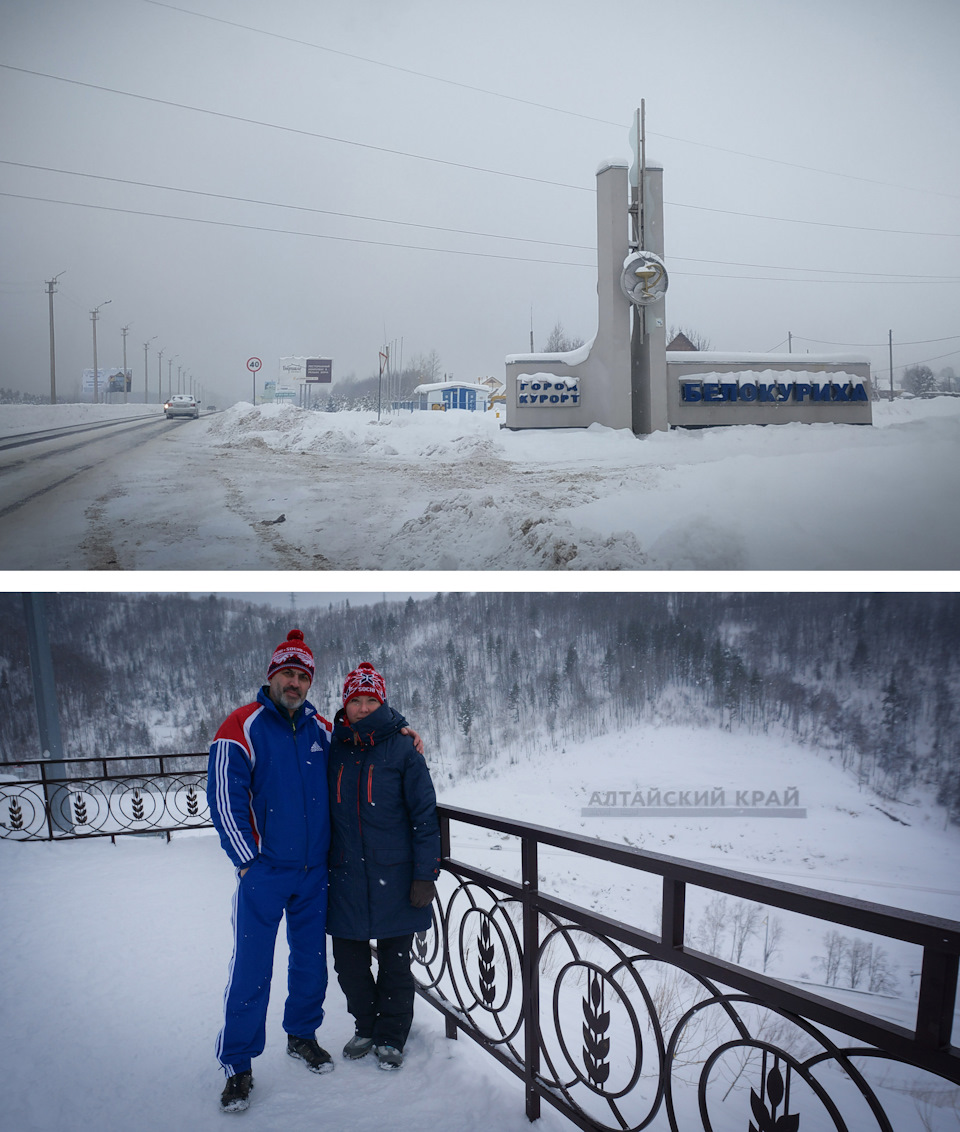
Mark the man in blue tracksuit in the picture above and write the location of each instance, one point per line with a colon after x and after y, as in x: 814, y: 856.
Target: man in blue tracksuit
x: 268, y: 797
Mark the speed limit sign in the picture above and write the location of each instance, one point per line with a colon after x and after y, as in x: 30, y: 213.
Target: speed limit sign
x: 253, y: 364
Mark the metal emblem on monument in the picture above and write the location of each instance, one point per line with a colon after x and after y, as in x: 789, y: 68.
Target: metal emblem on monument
x: 643, y: 278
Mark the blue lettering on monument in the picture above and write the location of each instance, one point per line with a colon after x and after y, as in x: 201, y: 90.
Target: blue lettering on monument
x: 559, y: 392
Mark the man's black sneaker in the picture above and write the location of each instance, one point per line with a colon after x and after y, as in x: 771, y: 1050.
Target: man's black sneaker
x: 236, y: 1093
x: 317, y: 1059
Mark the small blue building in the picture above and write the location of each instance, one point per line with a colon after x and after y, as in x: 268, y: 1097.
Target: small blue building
x: 442, y: 395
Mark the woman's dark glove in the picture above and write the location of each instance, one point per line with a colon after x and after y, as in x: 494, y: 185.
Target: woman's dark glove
x: 422, y: 893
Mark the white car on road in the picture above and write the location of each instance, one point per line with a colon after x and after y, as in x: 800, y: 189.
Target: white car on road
x: 181, y: 405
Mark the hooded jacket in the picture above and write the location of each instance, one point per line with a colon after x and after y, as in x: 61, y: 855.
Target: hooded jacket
x: 385, y: 829
x: 267, y: 785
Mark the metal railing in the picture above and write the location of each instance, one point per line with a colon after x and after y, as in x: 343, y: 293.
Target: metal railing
x: 616, y: 1027
x: 104, y: 797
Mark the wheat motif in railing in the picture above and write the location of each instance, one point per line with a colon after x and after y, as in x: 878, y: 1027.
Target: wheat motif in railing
x: 596, y: 1023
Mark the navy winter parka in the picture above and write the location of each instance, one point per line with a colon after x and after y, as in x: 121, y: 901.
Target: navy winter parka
x: 267, y: 785
x: 385, y: 831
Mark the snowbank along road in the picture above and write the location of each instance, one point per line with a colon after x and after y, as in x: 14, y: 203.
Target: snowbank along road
x: 276, y: 487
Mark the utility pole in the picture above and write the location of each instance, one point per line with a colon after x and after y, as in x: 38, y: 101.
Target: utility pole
x: 123, y: 333
x: 789, y: 342
x: 56, y: 795
x: 94, y: 315
x: 890, y: 349
x: 146, y: 391
x: 51, y: 290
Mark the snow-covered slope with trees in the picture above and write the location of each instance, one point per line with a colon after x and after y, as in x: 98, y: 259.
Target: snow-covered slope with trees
x: 863, y: 679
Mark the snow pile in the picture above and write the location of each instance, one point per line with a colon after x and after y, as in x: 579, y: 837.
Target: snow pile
x: 455, y: 491
x: 29, y: 418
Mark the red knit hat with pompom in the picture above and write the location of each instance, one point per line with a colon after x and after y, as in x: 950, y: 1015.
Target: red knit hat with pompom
x: 293, y: 653
x: 364, y: 680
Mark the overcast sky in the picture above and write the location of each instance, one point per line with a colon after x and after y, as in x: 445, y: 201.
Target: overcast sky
x: 810, y: 151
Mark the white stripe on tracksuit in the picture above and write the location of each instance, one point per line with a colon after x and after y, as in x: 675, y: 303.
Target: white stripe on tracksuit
x: 230, y: 826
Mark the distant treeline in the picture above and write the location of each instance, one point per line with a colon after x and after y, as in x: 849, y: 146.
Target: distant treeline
x: 865, y: 678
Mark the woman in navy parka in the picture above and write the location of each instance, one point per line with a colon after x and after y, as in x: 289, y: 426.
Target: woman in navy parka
x: 384, y: 859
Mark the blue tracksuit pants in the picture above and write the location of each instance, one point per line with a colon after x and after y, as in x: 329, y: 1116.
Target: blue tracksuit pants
x: 263, y: 895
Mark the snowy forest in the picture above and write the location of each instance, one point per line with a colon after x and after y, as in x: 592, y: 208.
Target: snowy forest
x: 867, y: 679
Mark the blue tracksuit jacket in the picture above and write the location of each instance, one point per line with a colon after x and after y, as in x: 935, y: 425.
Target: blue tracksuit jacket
x: 267, y: 785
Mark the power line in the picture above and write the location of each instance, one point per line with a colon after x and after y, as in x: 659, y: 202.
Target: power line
x: 887, y: 276
x: 295, y: 207
x: 435, y: 228
x: 902, y: 282
x: 815, y: 223
x: 541, y: 105
x: 290, y: 232
x: 388, y: 66
x: 453, y: 164
x: 899, y: 281
x: 918, y: 342
x: 439, y: 228
x: 293, y: 130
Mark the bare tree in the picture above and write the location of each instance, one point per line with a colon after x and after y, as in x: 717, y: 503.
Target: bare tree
x: 880, y: 976
x: 772, y: 936
x: 426, y: 367
x: 856, y: 960
x: 713, y: 924
x: 559, y: 343
x: 697, y: 340
x: 744, y: 923
x: 836, y: 946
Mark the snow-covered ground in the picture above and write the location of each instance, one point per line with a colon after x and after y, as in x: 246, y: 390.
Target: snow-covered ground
x: 115, y: 956
x: 454, y: 491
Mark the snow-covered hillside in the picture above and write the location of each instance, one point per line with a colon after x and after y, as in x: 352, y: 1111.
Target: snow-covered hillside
x: 453, y: 491
x: 115, y: 956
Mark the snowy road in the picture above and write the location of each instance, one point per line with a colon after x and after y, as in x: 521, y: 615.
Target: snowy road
x: 278, y: 488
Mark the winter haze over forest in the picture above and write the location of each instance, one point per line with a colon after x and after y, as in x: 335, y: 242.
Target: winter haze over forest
x: 228, y: 179
x: 865, y: 679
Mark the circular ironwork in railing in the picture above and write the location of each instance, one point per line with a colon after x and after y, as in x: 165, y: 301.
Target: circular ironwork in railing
x: 596, y: 1027
x: 771, y: 1053
x: 23, y: 814
x: 185, y: 799
x: 427, y: 951
x: 483, y: 967
x: 135, y: 803
x: 81, y: 807
x: 105, y: 806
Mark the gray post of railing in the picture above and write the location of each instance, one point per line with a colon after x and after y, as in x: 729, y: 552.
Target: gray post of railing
x: 449, y: 1025
x: 48, y: 717
x: 938, y: 992
x: 672, y: 914
x: 530, y: 976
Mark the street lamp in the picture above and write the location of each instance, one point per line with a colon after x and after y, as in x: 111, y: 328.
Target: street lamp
x: 160, y: 376
x: 146, y: 392
x: 94, y: 315
x: 170, y: 374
